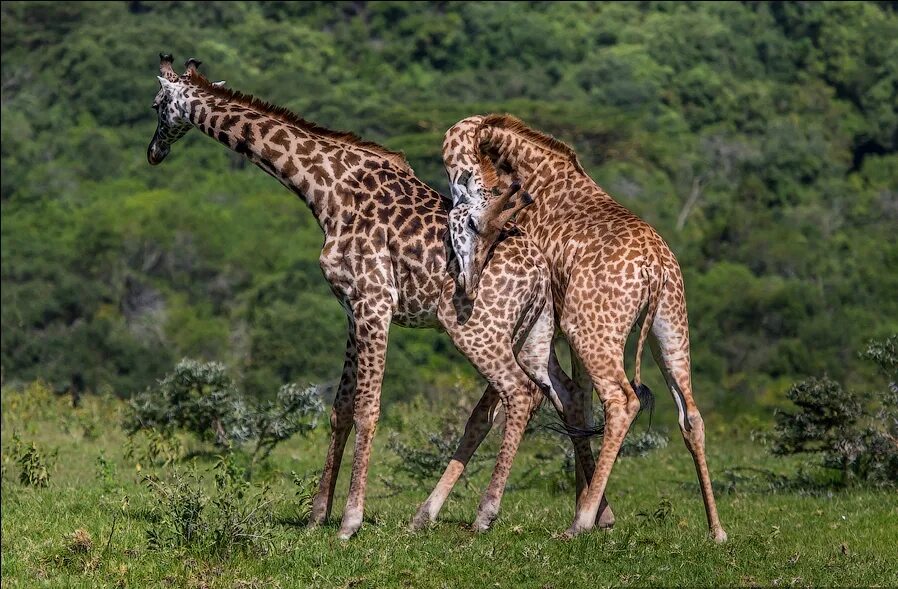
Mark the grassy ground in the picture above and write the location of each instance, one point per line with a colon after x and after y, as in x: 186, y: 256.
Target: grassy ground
x: 778, y: 536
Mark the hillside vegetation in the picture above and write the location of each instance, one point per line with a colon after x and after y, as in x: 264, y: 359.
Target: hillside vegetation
x: 760, y: 139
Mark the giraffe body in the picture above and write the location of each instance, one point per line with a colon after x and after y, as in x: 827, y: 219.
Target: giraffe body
x: 607, y: 267
x: 386, y: 259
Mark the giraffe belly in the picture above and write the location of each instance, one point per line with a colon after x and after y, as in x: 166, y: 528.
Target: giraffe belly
x: 417, y: 304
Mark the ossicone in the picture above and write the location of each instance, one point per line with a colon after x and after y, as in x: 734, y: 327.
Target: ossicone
x: 192, y: 64
x: 165, y: 61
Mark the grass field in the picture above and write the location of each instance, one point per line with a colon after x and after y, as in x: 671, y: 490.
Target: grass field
x: 778, y: 535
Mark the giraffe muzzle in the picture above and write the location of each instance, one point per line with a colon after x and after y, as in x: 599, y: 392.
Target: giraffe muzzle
x: 156, y: 153
x: 468, y: 280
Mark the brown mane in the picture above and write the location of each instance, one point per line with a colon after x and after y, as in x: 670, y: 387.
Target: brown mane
x: 488, y: 173
x: 287, y: 116
x: 517, y: 126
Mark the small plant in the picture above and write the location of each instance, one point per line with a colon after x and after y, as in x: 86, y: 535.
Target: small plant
x: 661, y: 513
x: 34, y: 464
x: 241, y: 518
x: 236, y: 517
x: 301, y: 506
x: 178, y: 511
x: 855, y: 434
x: 105, y: 471
x: 155, y: 447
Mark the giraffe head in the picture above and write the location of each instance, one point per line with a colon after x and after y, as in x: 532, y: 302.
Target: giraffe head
x: 474, y: 227
x: 171, y: 106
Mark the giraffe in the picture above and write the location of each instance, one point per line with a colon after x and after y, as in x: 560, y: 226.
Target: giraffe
x: 386, y: 259
x: 466, y: 190
x: 607, y: 265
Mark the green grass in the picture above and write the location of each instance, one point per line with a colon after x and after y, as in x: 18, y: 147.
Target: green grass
x: 783, y: 537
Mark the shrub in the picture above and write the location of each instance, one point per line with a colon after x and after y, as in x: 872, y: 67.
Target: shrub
x: 295, y: 411
x: 425, y: 460
x: 153, y: 447
x: 177, y: 510
x: 202, y: 400
x: 856, y: 434
x: 642, y: 443
x: 198, y: 397
x: 301, y: 506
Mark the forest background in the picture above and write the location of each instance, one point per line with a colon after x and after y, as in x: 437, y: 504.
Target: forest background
x: 760, y: 139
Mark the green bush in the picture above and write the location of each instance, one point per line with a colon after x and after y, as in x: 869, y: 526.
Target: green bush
x: 855, y: 434
x: 199, y: 398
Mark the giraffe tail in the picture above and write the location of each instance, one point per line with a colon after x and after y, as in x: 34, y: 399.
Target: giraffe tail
x: 656, y: 282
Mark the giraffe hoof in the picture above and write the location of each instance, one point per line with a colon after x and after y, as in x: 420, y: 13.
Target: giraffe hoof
x: 482, y: 523
x: 573, y: 531
x: 568, y: 534
x: 606, y: 520
x: 719, y: 536
x: 350, y: 526
x: 421, y: 520
x: 316, y: 520
x: 346, y: 533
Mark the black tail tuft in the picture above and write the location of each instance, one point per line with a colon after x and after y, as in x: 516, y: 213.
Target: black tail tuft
x: 646, y: 399
x: 574, y: 432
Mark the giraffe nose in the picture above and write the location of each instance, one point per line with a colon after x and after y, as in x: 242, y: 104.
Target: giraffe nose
x: 155, y: 153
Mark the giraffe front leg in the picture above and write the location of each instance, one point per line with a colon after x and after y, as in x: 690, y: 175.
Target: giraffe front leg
x: 479, y: 424
x: 518, y: 408
x: 371, y: 321
x: 341, y: 423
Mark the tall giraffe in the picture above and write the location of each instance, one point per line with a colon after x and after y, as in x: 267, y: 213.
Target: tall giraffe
x: 386, y: 259
x: 607, y: 266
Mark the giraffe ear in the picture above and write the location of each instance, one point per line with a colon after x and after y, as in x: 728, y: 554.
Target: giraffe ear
x: 219, y: 84
x: 511, y: 208
x: 166, y: 84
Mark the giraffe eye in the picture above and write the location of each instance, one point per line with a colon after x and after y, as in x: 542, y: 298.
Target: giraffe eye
x: 473, y: 226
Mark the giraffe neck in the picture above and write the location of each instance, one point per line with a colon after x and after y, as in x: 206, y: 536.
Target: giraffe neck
x: 524, y: 158
x: 312, y: 162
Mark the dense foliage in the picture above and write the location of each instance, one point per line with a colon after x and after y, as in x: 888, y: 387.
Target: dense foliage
x: 761, y: 139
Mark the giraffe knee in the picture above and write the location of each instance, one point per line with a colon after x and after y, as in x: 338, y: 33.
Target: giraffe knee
x: 695, y: 433
x: 365, y: 423
x: 341, y: 418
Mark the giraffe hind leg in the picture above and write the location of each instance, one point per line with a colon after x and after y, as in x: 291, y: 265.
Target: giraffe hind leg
x: 478, y: 426
x: 670, y: 347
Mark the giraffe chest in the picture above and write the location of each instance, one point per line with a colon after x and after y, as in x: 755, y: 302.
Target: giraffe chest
x: 408, y: 273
